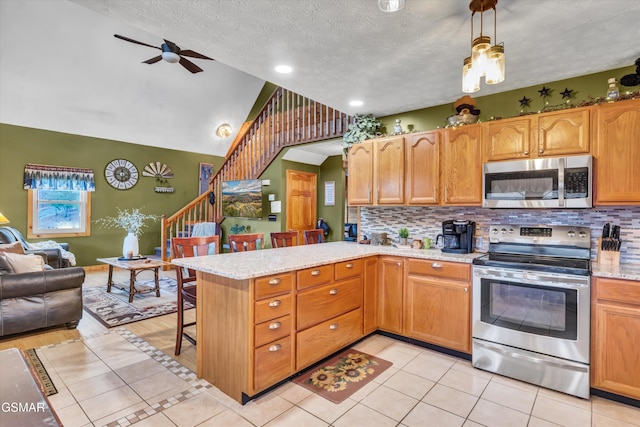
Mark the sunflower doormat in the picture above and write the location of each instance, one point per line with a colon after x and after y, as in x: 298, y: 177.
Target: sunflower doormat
x: 343, y: 375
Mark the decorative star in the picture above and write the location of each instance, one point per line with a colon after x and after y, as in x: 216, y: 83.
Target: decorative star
x: 545, y: 91
x: 566, y: 93
x: 524, y: 102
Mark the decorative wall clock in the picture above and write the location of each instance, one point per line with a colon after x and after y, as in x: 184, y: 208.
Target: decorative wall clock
x: 121, y: 174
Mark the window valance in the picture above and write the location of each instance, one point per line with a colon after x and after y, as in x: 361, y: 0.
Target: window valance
x: 46, y: 177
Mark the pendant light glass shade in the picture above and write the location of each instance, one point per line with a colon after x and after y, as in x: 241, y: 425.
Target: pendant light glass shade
x: 479, y: 54
x: 390, y: 5
x: 495, y: 71
x: 470, y: 79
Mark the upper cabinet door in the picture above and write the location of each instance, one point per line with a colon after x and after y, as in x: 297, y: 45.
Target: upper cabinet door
x: 508, y: 139
x: 423, y: 168
x: 617, y: 153
x: 462, y: 166
x: 563, y: 132
x: 360, y: 182
x: 390, y: 170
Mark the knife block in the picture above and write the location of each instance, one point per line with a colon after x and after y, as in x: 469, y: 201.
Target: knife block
x: 607, y: 257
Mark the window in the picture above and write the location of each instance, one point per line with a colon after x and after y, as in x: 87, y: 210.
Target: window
x: 59, y: 213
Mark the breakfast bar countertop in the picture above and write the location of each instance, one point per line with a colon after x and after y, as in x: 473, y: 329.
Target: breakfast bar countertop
x: 249, y: 265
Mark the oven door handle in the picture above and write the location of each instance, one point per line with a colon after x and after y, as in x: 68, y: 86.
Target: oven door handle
x: 535, y: 279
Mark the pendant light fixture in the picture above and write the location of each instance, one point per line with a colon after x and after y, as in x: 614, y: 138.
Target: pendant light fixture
x: 390, y: 5
x: 485, y: 60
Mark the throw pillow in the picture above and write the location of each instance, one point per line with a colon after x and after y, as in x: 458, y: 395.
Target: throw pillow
x: 21, y: 263
x: 5, y: 268
x: 15, y: 247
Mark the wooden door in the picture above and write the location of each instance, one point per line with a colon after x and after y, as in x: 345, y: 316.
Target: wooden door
x: 301, y: 201
x: 370, y: 300
x: 360, y: 178
x: 389, y: 166
x: 617, y: 153
x: 423, y: 168
x: 462, y: 166
x: 564, y: 132
x: 507, y: 139
x: 390, y: 289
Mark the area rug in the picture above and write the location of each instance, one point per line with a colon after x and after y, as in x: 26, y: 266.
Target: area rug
x: 343, y: 375
x: 114, y: 309
x: 40, y: 371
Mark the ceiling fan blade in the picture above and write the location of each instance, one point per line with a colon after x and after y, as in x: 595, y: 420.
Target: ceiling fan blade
x: 189, y: 65
x: 153, y: 60
x: 134, y: 41
x: 193, y: 54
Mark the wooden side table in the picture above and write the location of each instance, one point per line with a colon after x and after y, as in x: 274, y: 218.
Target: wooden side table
x: 135, y: 267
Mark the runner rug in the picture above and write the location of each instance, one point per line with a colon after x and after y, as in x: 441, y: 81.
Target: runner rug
x: 343, y: 375
x: 114, y: 309
x: 40, y: 371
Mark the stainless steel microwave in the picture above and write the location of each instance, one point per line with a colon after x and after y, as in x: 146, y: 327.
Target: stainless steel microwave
x: 554, y: 182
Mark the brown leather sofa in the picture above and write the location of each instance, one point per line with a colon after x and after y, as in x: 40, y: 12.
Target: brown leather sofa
x: 52, y: 256
x: 35, y: 300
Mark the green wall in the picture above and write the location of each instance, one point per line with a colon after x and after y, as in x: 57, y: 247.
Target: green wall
x: 21, y: 145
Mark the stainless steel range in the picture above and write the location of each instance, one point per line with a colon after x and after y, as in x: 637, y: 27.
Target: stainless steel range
x: 531, y: 306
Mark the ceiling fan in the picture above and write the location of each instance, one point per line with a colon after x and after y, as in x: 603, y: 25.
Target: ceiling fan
x: 171, y: 53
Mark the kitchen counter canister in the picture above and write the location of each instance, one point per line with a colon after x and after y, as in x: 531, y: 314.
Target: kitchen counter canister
x: 622, y: 271
x: 249, y: 265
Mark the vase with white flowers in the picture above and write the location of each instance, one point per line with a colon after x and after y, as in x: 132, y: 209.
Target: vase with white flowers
x: 134, y: 222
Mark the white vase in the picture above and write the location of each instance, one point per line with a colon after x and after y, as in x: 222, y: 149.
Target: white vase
x: 130, y: 246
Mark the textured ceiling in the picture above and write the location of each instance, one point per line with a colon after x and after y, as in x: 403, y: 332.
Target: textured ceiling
x: 339, y: 49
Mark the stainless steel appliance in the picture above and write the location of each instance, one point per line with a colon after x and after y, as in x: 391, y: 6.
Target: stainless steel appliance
x: 531, y: 306
x: 457, y: 236
x: 554, y: 182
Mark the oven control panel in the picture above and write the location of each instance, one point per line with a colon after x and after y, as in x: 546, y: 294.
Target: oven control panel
x: 541, y: 234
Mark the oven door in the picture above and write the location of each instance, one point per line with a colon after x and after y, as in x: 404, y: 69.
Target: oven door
x: 546, y: 313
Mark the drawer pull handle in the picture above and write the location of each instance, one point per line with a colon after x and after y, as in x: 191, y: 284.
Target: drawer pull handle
x: 333, y: 326
x: 436, y: 265
x: 275, y: 325
x: 315, y: 273
x: 275, y: 281
x: 275, y: 347
x: 466, y: 289
x: 350, y: 265
x: 275, y: 303
x: 333, y: 291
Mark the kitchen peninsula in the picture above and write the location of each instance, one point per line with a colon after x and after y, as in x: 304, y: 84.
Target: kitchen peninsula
x: 265, y: 315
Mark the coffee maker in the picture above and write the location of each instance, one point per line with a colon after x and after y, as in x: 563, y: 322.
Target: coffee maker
x: 457, y: 236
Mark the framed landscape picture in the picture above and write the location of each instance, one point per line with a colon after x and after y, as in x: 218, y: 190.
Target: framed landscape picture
x: 206, y: 172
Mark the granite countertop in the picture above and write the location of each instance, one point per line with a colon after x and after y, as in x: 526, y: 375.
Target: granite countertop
x: 622, y: 271
x: 248, y: 265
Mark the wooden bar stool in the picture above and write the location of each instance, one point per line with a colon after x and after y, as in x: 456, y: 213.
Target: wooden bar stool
x: 312, y: 237
x: 284, y: 239
x: 185, y: 247
x: 246, y: 242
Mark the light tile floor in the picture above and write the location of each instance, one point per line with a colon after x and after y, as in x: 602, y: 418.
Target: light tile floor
x: 117, y: 379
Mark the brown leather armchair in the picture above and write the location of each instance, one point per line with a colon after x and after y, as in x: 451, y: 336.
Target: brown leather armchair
x: 53, y: 256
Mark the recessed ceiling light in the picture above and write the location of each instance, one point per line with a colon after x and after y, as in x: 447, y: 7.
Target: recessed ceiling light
x: 356, y: 103
x: 284, y: 69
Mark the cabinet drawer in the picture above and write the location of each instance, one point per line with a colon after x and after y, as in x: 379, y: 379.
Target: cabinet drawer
x: 444, y: 269
x: 273, y: 285
x: 321, y: 340
x: 272, y: 330
x: 273, y: 307
x: 319, y: 304
x: 272, y: 363
x: 625, y: 291
x: 315, y: 276
x: 348, y: 269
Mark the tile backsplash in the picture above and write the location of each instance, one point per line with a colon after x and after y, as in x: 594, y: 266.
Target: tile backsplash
x: 427, y: 222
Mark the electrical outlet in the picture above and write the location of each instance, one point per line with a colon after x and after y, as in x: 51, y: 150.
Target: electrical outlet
x: 479, y: 242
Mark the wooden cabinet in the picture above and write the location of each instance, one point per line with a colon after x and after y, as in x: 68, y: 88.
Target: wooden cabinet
x: 423, y: 168
x: 370, y: 298
x: 615, y: 336
x: 462, y: 166
x: 360, y: 163
x: 437, y: 303
x: 563, y: 132
x: 617, y: 153
x: 390, y: 291
x: 507, y: 139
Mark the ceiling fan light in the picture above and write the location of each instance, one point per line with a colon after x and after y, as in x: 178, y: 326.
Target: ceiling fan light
x: 495, y: 71
x: 470, y: 79
x: 171, y: 57
x: 390, y: 5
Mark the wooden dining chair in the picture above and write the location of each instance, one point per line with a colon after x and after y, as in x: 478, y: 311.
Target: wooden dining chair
x: 246, y: 242
x: 184, y: 247
x: 312, y: 237
x: 284, y: 239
